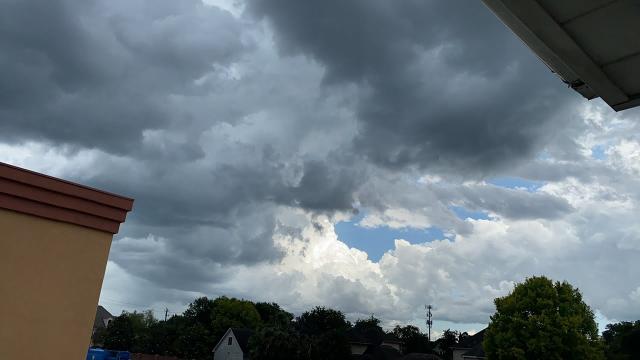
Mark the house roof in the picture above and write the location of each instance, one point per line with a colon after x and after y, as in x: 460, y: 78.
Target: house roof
x: 241, y: 335
x: 382, y: 352
x: 476, y: 352
x: 356, y: 337
x: 420, y: 356
x: 101, y: 315
x: 44, y: 196
x: 390, y: 338
x: 471, y: 341
x: 591, y: 44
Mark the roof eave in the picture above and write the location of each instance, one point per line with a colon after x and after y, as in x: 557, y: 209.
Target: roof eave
x: 546, y: 38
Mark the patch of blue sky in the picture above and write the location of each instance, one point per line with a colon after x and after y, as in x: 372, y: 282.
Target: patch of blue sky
x: 517, y: 183
x: 464, y: 213
x: 599, y: 152
x: 603, y: 321
x: 377, y: 241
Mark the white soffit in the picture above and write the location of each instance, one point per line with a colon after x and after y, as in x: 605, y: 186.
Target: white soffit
x: 593, y: 45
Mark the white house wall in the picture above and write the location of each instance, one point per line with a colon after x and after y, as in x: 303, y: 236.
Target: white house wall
x: 228, y: 352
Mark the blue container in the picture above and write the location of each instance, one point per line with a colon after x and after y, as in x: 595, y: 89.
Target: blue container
x: 102, y: 354
x: 97, y: 354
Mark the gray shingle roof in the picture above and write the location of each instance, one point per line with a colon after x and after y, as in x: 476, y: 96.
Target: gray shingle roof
x: 242, y: 337
x: 101, y: 315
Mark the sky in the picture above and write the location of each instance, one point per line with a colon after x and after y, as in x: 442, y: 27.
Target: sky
x: 368, y: 155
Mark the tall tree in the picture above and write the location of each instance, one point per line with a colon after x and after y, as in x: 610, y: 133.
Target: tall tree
x: 444, y: 343
x: 622, y: 340
x: 277, y: 343
x: 370, y: 329
x: 200, y: 311
x: 541, y: 319
x: 320, y: 320
x: 413, y: 339
x: 272, y: 315
x: 326, y: 330
x: 129, y: 331
x: 232, y: 312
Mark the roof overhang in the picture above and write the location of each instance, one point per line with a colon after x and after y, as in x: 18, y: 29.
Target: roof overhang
x: 591, y: 44
x: 44, y: 196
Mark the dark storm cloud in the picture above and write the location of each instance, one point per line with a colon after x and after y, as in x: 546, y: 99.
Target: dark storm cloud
x: 214, y: 134
x: 98, y: 74
x: 445, y: 84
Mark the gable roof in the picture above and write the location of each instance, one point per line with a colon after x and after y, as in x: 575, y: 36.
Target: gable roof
x: 391, y: 339
x: 101, y: 315
x: 242, y: 338
x: 382, y: 352
x: 471, y: 341
x: 476, y: 352
x: 420, y: 356
x: 356, y: 337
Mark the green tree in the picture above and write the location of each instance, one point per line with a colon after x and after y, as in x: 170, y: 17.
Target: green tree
x: 277, y: 343
x: 320, y: 320
x: 444, y: 343
x: 130, y: 331
x: 200, y: 311
x: 232, y: 312
x: 272, y: 315
x: 542, y: 320
x: 325, y: 330
x: 413, y: 339
x: 370, y: 329
x: 622, y: 340
x: 119, y: 334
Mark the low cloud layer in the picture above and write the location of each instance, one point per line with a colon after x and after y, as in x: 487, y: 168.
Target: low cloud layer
x: 245, y: 136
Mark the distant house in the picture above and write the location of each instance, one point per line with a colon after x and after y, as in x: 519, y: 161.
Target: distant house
x: 392, y: 341
x: 420, y: 356
x: 381, y: 352
x: 358, y: 343
x: 103, y: 318
x: 233, y: 345
x: 368, y: 347
x: 101, y: 321
x: 470, y: 348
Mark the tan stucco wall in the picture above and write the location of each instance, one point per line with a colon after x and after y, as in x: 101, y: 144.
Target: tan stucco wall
x: 50, y: 279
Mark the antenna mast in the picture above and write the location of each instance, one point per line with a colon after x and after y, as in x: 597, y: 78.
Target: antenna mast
x: 429, y: 321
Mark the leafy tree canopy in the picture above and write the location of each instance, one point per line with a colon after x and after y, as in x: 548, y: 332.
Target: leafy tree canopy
x: 413, y: 339
x: 622, y: 340
x: 541, y: 319
x: 231, y: 312
x: 321, y: 320
x: 323, y: 331
x: 200, y: 311
x: 272, y: 315
x: 272, y: 343
x: 370, y: 329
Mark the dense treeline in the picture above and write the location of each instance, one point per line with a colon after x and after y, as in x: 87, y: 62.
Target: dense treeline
x: 320, y: 333
x: 323, y: 333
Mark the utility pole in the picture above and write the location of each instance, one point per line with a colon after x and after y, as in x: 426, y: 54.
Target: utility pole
x: 166, y: 313
x: 429, y: 321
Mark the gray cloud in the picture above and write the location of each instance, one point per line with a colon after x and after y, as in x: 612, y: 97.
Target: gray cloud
x: 193, y: 112
x: 438, y: 88
x: 514, y: 204
x: 98, y: 75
